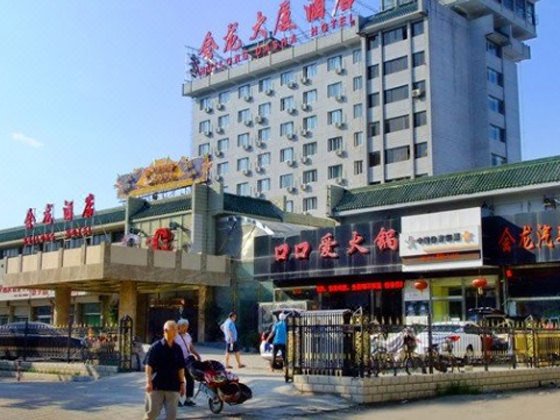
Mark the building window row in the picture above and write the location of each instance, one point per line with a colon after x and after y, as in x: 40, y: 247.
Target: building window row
x: 398, y: 154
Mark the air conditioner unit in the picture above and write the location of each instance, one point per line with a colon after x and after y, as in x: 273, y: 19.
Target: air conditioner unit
x: 339, y: 98
x: 291, y: 110
x: 292, y: 84
x: 247, y: 147
x: 258, y: 194
x: 208, y: 109
x: 305, y: 159
x: 305, y: 80
x: 304, y: 132
x: 246, y: 172
x: 304, y: 187
x: 259, y: 119
x: 259, y: 169
x: 339, y: 70
x: 248, y: 123
x: 340, y: 180
x: 339, y: 124
x: 220, y: 106
x: 305, y: 107
x: 219, y: 178
x: 290, y: 136
x: 340, y: 153
x: 248, y: 98
x: 207, y: 133
x: 417, y: 93
x: 291, y: 189
x: 218, y: 153
x: 220, y: 130
x: 269, y: 92
x: 290, y: 162
x: 259, y: 143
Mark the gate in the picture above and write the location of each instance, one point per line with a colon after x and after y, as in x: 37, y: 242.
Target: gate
x: 125, y: 344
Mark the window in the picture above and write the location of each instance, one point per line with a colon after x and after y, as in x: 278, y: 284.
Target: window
x: 396, y: 94
x: 420, y: 119
x: 309, y: 176
x: 374, y: 129
x: 310, y: 96
x: 356, y: 56
x: 264, y: 134
x: 286, y: 180
x: 264, y: 110
x: 498, y: 160
x: 263, y: 185
x: 286, y: 77
x: 310, y: 71
x: 243, y: 188
x: 358, y: 138
x: 374, y: 159
x: 205, y: 103
x: 358, y: 167
x: 334, y: 90
x: 243, y: 164
x: 417, y: 28
x: 263, y: 159
x: 394, y: 35
x: 357, y: 83
x: 495, y: 104
x: 204, y: 126
x: 420, y: 150
x: 373, y: 100
x: 244, y: 91
x: 290, y: 206
x: 310, y: 123
x: 223, y: 145
x: 334, y: 171
x: 393, y: 66
x: 223, y: 121
x: 420, y: 87
x: 223, y: 97
x: 334, y: 143
x: 223, y: 168
x: 243, y: 140
x: 397, y: 154
x: 334, y: 117
x: 309, y: 149
x: 265, y: 85
x: 334, y: 63
x: 358, y: 111
x: 497, y: 133
x: 244, y: 115
x: 287, y: 103
x: 418, y: 59
x: 493, y: 49
x: 494, y: 77
x: 310, y: 203
x: 508, y: 4
x: 204, y: 149
x: 373, y: 71
x: 286, y: 128
x: 287, y: 154
x: 520, y: 8
x: 531, y: 13
x: 397, y: 124
x: 373, y: 42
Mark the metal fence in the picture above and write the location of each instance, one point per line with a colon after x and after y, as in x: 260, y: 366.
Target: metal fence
x: 343, y: 343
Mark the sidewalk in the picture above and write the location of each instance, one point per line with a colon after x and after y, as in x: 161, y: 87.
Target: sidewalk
x: 122, y: 396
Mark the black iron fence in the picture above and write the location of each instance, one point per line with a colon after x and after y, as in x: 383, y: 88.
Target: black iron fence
x: 343, y: 343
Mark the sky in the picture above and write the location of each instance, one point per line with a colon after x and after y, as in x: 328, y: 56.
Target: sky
x: 92, y: 89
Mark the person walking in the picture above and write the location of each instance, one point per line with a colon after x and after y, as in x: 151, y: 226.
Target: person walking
x: 190, y: 354
x: 165, y: 375
x: 280, y: 333
x: 230, y: 335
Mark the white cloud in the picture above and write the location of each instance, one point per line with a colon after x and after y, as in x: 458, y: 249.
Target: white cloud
x: 28, y: 141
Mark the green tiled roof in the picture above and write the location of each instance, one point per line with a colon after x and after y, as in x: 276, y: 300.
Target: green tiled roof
x: 164, y: 207
x: 517, y: 175
x: 103, y: 217
x: 253, y: 206
x: 392, y: 13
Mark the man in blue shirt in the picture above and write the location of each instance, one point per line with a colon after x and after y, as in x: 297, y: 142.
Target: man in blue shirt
x: 230, y: 335
x: 280, y: 333
x: 165, y: 375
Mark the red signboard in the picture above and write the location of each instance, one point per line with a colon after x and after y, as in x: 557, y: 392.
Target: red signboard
x: 361, y: 287
x: 527, y: 240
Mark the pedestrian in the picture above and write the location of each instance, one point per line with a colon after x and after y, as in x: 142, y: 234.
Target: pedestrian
x: 230, y: 335
x: 165, y: 375
x: 279, y: 332
x: 190, y: 354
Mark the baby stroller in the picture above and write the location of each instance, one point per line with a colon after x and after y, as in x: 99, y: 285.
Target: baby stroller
x: 218, y: 384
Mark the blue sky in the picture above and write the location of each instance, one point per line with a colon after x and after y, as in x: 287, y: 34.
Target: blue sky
x: 92, y: 89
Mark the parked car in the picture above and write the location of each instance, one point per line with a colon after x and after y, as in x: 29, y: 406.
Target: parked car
x: 38, y: 340
x: 265, y: 347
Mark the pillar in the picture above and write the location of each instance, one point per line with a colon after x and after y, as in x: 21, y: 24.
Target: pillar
x: 105, y: 301
x: 11, y: 313
x: 61, y: 314
x: 205, y: 298
x: 128, y: 301
x: 142, y: 317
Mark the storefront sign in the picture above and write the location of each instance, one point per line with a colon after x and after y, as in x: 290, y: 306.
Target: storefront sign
x: 442, y: 240
x: 164, y: 175
x: 14, y: 293
x: 266, y: 42
x: 360, y: 287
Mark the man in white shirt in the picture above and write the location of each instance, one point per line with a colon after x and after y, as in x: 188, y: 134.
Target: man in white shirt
x: 184, y: 340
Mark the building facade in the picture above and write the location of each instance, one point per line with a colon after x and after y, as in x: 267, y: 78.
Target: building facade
x: 421, y: 88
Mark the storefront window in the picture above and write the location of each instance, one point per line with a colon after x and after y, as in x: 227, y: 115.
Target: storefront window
x: 92, y: 314
x: 43, y: 314
x: 535, y: 295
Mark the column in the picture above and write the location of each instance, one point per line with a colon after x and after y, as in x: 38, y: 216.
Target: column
x: 142, y: 317
x: 11, y: 313
x: 61, y: 315
x: 128, y: 302
x: 205, y: 298
x: 105, y: 301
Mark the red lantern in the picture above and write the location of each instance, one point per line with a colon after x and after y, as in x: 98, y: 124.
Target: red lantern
x: 479, y: 283
x: 421, y: 285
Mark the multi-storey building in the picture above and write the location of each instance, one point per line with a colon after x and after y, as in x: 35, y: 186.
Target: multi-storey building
x: 424, y: 87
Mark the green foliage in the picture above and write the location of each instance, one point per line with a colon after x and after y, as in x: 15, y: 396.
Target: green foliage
x: 457, y: 388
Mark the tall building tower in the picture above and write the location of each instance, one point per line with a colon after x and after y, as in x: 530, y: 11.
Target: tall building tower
x: 423, y: 87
